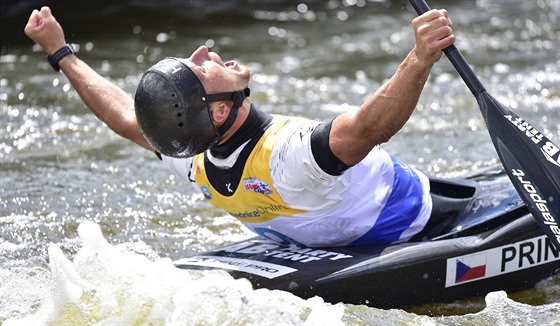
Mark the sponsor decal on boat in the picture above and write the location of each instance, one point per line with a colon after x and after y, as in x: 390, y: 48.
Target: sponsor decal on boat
x: 293, y: 253
x: 501, y: 260
x: 264, y: 269
x: 260, y: 268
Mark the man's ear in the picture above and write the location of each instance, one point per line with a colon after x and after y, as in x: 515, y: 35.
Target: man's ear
x: 219, y: 112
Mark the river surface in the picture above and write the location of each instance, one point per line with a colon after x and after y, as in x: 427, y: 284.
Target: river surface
x: 61, y: 167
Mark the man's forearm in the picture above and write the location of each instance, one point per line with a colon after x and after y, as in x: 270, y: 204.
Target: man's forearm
x: 382, y: 115
x: 107, y: 101
x: 353, y: 134
x: 390, y: 107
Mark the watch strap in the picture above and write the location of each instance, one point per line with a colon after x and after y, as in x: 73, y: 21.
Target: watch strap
x: 58, y: 55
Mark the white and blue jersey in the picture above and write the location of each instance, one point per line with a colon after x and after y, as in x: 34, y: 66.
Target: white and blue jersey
x: 282, y: 193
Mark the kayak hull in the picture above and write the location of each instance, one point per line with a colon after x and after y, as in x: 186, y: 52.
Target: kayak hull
x: 484, y: 249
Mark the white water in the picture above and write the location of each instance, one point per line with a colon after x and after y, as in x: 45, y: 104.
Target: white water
x: 107, y: 285
x: 116, y: 285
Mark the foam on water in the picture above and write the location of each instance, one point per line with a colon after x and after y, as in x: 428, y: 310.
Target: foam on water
x: 501, y: 310
x: 105, y: 285
x: 114, y: 285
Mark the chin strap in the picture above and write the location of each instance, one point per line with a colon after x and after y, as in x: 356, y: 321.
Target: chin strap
x: 237, y: 97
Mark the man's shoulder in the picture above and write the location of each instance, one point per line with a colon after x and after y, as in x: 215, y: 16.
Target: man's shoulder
x: 293, y: 123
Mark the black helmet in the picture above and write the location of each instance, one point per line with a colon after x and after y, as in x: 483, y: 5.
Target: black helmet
x: 173, y: 113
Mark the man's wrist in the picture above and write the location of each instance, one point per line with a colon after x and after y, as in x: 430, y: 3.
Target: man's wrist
x: 55, y: 58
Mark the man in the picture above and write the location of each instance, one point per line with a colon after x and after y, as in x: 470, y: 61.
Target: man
x: 291, y: 180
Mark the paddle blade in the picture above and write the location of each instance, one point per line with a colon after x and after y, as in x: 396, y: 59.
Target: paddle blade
x: 531, y: 160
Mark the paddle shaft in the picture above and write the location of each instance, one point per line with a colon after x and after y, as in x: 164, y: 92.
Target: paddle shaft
x: 531, y: 160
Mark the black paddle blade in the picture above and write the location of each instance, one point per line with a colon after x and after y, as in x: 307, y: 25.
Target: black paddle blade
x: 531, y: 160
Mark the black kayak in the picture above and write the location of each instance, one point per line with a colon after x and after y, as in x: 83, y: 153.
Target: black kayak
x: 482, y: 238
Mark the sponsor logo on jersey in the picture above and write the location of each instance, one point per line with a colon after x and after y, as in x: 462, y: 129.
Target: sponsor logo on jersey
x: 259, y: 211
x: 206, y: 192
x: 256, y: 185
x: 501, y: 260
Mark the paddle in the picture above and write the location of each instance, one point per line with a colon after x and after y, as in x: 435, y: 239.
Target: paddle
x: 531, y: 160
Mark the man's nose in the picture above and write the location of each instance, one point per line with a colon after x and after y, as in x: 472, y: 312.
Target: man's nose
x: 200, y: 55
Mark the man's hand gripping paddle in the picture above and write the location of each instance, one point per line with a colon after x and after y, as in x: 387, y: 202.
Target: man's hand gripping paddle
x: 531, y: 160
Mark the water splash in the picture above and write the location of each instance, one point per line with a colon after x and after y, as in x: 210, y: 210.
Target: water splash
x: 105, y: 285
x: 501, y: 310
x: 114, y: 285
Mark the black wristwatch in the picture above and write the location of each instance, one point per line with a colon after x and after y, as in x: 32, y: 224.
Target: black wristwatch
x: 58, y: 55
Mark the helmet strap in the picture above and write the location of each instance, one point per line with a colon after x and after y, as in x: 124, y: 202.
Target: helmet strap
x: 237, y: 97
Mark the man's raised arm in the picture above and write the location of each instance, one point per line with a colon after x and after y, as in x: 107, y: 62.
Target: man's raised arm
x: 355, y: 133
x: 106, y: 100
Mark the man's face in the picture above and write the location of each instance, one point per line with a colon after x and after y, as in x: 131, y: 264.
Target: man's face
x: 217, y: 76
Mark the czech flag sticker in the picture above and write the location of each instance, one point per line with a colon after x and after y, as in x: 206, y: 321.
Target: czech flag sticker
x: 470, y: 268
x: 466, y: 268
